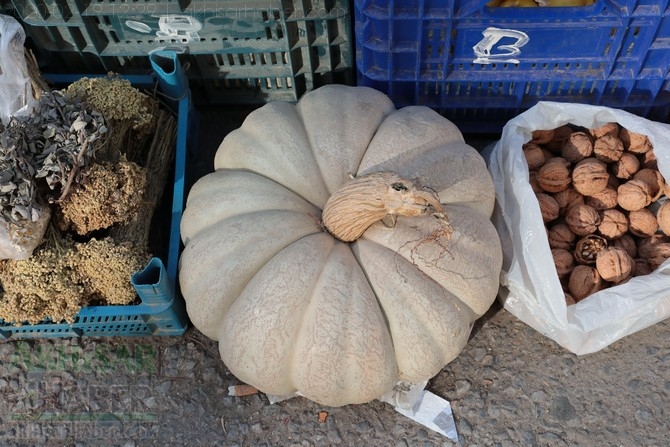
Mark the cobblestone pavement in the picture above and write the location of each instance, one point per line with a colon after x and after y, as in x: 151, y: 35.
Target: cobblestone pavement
x: 510, y: 387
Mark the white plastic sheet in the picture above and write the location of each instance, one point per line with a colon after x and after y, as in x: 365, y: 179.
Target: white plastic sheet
x: 16, y: 93
x: 530, y: 288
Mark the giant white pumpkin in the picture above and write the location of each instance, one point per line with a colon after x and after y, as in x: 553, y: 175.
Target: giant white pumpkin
x: 382, y: 287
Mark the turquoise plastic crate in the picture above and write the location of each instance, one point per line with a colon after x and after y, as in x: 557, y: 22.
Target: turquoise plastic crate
x: 481, y: 66
x: 238, y: 51
x: 161, y: 310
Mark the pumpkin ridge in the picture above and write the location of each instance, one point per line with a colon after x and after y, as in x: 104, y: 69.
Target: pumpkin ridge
x: 200, y: 201
x: 406, y: 310
x: 249, y: 298
x: 316, y: 339
x: 242, y: 149
x: 416, y: 248
x: 224, y: 256
x: 339, y: 141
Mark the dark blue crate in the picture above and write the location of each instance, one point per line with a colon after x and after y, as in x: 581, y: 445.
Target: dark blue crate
x: 436, y: 39
x: 614, y: 53
x: 161, y: 310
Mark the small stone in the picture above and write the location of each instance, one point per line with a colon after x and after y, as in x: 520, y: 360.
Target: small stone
x: 562, y: 409
x: 150, y: 402
x: 464, y: 427
x: 462, y: 387
x: 644, y: 415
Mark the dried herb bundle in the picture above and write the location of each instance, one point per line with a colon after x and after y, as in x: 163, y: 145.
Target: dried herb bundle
x: 53, y: 144
x: 75, y: 154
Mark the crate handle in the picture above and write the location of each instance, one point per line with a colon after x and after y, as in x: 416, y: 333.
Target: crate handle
x: 152, y: 284
x: 171, y: 77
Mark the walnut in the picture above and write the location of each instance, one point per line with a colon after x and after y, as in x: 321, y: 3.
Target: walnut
x: 560, y: 236
x: 613, y: 223
x: 534, y: 156
x: 634, y: 142
x: 641, y: 267
x: 563, y: 261
x: 604, y: 200
x: 633, y: 195
x: 627, y: 165
x: 584, y: 281
x: 654, y: 249
x: 548, y: 207
x: 648, y: 160
x: 663, y: 217
x: 590, y: 176
x: 560, y: 135
x: 606, y: 129
x: 654, y: 180
x: 567, y: 198
x: 534, y: 184
x: 642, y: 223
x: 627, y: 243
x: 554, y: 175
x: 577, y: 147
x: 582, y: 220
x: 542, y: 136
x: 614, y: 264
x: 587, y: 248
x: 647, y: 246
x: 608, y: 148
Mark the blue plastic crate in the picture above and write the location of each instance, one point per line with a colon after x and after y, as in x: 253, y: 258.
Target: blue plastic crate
x: 463, y: 57
x: 161, y: 310
x: 239, y: 51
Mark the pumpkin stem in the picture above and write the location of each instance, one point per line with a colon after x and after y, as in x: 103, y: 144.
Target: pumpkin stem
x: 362, y: 201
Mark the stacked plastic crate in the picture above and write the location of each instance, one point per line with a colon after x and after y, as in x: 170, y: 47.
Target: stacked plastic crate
x: 482, y: 65
x: 235, y: 51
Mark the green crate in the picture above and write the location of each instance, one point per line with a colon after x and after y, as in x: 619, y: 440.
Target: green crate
x: 238, y: 51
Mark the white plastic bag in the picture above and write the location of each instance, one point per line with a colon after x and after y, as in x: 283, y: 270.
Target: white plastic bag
x: 16, y: 93
x: 18, y: 241
x: 530, y: 288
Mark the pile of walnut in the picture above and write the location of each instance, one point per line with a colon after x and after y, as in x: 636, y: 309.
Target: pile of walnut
x: 604, y: 204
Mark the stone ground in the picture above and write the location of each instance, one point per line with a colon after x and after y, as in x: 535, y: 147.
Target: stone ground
x: 511, y: 386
